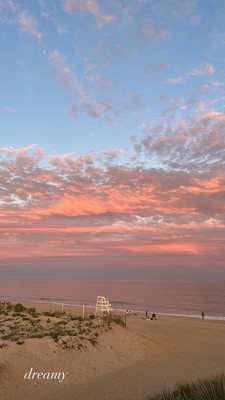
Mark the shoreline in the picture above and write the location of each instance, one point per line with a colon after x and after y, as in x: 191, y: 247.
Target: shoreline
x: 58, y: 302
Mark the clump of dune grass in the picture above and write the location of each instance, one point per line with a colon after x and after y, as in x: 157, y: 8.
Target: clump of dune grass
x: 18, y: 308
x: 19, y: 323
x: 210, y: 389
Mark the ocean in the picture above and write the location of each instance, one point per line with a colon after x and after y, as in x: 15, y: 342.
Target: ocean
x: 187, y: 298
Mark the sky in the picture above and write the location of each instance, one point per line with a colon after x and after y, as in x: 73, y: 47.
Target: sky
x: 112, y: 150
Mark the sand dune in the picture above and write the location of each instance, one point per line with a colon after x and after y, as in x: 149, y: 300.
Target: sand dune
x: 128, y: 363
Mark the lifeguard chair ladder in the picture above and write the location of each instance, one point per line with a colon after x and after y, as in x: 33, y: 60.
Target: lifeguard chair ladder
x: 103, y: 307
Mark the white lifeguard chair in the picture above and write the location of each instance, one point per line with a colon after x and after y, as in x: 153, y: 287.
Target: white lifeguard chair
x: 103, y: 307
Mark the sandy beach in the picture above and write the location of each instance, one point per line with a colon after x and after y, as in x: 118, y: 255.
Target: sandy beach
x: 127, y: 363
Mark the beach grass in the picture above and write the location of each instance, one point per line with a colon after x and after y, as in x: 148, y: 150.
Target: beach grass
x: 209, y: 389
x: 19, y: 323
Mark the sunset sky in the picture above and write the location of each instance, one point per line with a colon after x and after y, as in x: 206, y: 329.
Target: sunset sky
x: 112, y: 150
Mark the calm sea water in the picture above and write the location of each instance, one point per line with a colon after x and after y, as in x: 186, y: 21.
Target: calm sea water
x: 183, y: 298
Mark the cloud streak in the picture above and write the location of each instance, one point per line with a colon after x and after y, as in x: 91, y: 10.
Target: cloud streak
x: 84, y: 101
x: 29, y: 25
x: 205, y: 69
x: 88, y: 6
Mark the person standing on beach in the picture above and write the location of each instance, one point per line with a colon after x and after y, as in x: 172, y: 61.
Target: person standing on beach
x: 203, y: 314
x: 146, y: 314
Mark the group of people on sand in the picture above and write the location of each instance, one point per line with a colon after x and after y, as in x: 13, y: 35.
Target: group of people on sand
x: 153, y: 317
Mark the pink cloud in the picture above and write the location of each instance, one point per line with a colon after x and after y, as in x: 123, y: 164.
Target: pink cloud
x: 149, y: 29
x: 113, y: 154
x: 204, y: 69
x: 73, y: 112
x: 29, y: 24
x: 175, y: 81
x: 10, y: 110
x: 64, y: 71
x: 181, y: 125
x: 90, y: 6
x: 85, y: 101
x: 100, y: 81
x: 134, y: 101
x: 96, y: 110
x: 13, y: 6
x: 155, y: 68
x: 213, y: 115
x: 50, y: 15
